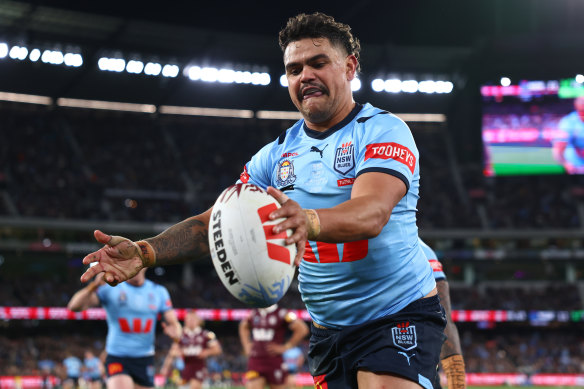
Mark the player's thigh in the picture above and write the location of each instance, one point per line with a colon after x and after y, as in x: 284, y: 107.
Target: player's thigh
x: 369, y: 380
x: 195, y: 384
x: 120, y: 381
x: 256, y: 383
x: 283, y: 386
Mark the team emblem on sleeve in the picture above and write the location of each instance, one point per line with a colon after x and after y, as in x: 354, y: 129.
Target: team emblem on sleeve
x: 345, y: 158
x: 285, y: 173
x: 404, y: 336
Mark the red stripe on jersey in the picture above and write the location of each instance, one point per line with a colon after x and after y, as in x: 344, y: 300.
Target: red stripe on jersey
x: 327, y: 252
x: 309, y: 255
x: 124, y: 325
x: 354, y: 251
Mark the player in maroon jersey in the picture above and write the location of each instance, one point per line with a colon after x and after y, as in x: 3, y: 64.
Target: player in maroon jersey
x: 262, y: 336
x: 194, y: 346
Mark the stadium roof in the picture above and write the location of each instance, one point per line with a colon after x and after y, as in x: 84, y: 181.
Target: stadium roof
x: 455, y: 38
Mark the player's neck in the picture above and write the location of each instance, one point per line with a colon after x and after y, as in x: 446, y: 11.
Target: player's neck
x: 334, y: 120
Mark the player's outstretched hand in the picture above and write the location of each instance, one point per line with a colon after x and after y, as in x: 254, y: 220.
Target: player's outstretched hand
x: 295, y: 220
x: 119, y: 259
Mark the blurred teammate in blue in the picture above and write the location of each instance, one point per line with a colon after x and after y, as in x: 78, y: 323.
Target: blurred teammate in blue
x: 347, y: 176
x: 132, y: 309
x: 73, y: 367
x: 92, y: 370
x: 294, y: 360
x: 451, y: 355
x: 569, y: 149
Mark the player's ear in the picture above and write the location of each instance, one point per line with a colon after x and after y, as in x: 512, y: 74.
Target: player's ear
x: 351, y: 63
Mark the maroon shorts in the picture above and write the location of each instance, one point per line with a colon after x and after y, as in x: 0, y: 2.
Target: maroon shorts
x: 272, y: 369
x: 194, y: 369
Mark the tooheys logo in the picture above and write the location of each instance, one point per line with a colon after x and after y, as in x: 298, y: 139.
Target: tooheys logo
x: 228, y: 272
x: 391, y: 150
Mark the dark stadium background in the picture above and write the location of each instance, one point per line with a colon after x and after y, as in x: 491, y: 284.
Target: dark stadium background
x: 512, y: 244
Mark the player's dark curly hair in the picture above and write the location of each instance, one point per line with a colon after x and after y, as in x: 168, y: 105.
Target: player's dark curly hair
x: 319, y: 25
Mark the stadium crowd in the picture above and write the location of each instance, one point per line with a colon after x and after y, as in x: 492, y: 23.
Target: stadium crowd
x: 507, y: 350
x: 62, y: 163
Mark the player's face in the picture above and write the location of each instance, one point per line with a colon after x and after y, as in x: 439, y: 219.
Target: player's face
x: 192, y: 320
x: 319, y: 80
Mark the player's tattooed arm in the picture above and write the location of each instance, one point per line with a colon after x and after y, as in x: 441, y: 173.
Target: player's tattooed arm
x: 451, y: 345
x: 185, y: 241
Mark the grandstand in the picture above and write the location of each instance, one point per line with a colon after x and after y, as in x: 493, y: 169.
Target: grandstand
x: 511, y: 246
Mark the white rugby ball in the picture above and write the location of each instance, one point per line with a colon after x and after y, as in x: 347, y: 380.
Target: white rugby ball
x: 255, y: 265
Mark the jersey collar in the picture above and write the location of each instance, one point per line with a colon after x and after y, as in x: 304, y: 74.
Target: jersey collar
x: 325, y: 134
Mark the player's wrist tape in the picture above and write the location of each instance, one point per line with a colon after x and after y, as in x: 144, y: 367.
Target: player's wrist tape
x: 147, y: 253
x: 313, y: 223
x: 454, y: 369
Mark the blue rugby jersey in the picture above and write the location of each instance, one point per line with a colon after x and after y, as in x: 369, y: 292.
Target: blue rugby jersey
x: 73, y: 366
x: 131, y: 317
x: 351, y: 283
x: 434, y: 262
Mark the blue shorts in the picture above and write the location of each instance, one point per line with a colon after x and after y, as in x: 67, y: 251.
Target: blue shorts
x: 141, y: 369
x: 406, y: 343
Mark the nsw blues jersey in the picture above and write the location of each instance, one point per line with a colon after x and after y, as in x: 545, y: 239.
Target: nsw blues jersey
x: 434, y: 262
x: 73, y: 366
x: 92, y: 367
x: 351, y: 283
x: 131, y: 317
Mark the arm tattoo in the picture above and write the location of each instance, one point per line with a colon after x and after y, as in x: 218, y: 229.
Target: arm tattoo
x: 452, y: 343
x: 182, y: 242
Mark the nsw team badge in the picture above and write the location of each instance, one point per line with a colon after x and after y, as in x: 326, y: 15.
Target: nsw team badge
x: 404, y: 336
x: 285, y: 173
x: 345, y: 158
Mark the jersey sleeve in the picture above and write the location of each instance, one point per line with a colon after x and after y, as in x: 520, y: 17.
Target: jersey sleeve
x: 387, y: 146
x: 102, y: 293
x: 258, y: 170
x: 165, y: 301
x: 434, y: 262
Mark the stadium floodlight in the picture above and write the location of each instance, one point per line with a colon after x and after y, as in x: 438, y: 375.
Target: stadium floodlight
x: 209, y: 74
x: 444, y: 86
x: 3, y: 50
x: 195, y: 73
x: 18, y: 52
x: 74, y: 60
x: 378, y: 85
x: 34, y: 55
x: 265, y: 79
x: 284, y: 80
x: 409, y: 86
x: 152, y: 69
x: 256, y: 78
x: 53, y: 57
x: 226, y: 76
x: 355, y: 84
x: 170, y: 70
x: 427, y: 86
x: 392, y: 85
x: 580, y: 78
x: 505, y: 81
x: 134, y: 67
